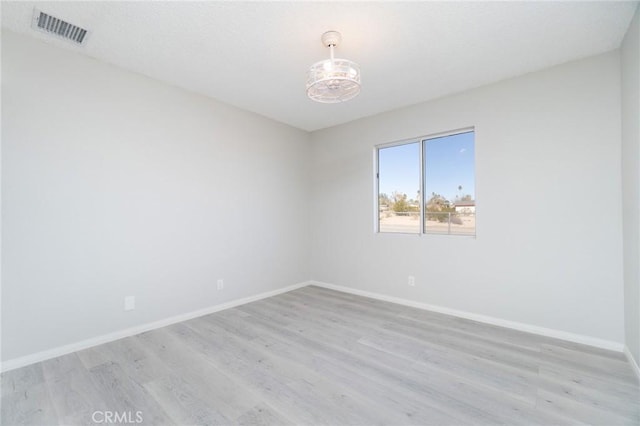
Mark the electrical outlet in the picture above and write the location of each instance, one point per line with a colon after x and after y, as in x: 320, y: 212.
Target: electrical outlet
x: 220, y: 284
x: 129, y: 303
x: 412, y: 281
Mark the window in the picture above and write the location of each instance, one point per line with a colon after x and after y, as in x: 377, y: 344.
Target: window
x: 427, y: 185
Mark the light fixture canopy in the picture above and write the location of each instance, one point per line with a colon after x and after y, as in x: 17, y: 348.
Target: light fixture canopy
x: 333, y: 80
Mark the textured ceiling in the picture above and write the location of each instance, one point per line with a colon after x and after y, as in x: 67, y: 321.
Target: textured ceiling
x: 254, y: 55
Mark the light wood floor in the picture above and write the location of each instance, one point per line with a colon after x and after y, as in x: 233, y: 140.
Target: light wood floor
x: 315, y: 356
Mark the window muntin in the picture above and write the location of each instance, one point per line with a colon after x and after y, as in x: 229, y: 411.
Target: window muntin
x: 442, y: 201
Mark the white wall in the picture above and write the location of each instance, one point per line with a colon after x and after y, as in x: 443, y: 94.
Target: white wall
x: 114, y: 184
x: 548, y: 250
x: 630, y: 55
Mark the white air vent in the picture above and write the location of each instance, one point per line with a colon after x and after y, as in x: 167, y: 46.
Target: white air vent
x: 62, y: 29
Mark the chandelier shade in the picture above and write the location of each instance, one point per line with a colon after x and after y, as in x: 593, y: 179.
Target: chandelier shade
x: 333, y: 80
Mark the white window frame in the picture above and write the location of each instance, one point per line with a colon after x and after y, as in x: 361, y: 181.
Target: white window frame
x: 376, y: 179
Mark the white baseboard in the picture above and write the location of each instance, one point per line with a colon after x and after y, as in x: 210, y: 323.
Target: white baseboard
x: 105, y: 338
x: 548, y: 332
x: 110, y: 337
x: 632, y: 361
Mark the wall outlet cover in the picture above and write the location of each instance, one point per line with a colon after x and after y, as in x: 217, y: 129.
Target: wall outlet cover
x: 129, y: 303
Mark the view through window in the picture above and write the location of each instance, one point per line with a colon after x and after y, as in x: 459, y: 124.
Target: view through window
x: 428, y: 186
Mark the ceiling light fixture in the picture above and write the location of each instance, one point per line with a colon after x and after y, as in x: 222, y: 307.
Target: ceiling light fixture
x: 333, y: 80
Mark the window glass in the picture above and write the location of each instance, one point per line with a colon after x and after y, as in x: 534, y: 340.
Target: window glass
x: 399, y: 188
x: 428, y: 186
x: 449, y: 184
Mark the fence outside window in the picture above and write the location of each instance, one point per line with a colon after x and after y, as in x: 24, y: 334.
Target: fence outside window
x: 446, y: 223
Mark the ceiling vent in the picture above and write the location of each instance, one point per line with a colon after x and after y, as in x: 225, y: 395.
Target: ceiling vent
x: 62, y: 29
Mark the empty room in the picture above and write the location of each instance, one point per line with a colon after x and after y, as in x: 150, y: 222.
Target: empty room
x: 320, y: 213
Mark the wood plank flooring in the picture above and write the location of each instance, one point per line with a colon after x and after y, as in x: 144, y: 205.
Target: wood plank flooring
x: 319, y: 357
